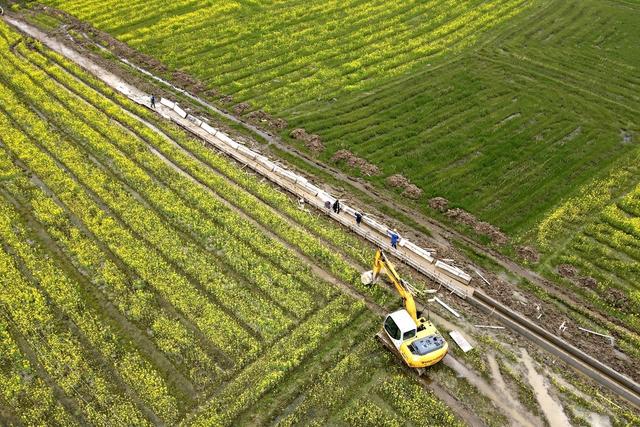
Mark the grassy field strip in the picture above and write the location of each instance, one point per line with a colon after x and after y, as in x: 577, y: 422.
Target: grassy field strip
x: 427, y: 40
x: 175, y: 340
x: 246, y: 388
x: 275, y: 404
x: 61, y: 354
x: 33, y: 401
x: 159, y: 275
x: 208, y: 207
x: 71, y: 300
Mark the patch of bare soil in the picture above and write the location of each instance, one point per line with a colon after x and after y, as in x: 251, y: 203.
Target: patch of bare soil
x: 439, y: 203
x: 567, y: 270
x: 226, y: 99
x: 240, y: 108
x: 547, y: 315
x: 356, y: 162
x: 411, y: 191
x: 311, y: 140
x: 114, y: 45
x: 481, y: 227
x: 265, y: 119
x: 528, y: 254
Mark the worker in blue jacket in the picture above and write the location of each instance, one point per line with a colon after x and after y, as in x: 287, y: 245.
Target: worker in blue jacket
x: 395, y: 237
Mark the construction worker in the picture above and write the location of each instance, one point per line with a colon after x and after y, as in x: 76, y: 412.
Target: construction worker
x: 301, y: 203
x: 395, y: 237
x: 327, y: 204
x: 336, y: 206
x: 358, y: 216
x: 153, y: 101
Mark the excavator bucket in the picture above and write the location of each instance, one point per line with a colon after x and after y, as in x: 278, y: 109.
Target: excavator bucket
x: 367, y: 277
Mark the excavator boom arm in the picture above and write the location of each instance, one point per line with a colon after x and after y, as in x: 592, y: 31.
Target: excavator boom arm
x: 381, y: 262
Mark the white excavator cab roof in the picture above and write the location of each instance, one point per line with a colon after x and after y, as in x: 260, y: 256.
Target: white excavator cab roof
x: 403, y: 320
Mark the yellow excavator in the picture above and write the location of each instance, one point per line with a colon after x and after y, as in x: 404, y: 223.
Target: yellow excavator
x: 416, y: 339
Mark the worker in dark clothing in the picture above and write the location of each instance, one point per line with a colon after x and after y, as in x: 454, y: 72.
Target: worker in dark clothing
x: 327, y: 204
x: 336, y: 206
x: 394, y: 238
x: 358, y: 218
x: 153, y: 101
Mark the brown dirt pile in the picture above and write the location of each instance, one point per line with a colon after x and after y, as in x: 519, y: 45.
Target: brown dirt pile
x: 567, y: 270
x: 263, y: 118
x: 481, y: 227
x: 239, y: 109
x: 356, y: 162
x: 311, y: 140
x: 439, y: 203
x: 410, y: 190
x: 528, y: 254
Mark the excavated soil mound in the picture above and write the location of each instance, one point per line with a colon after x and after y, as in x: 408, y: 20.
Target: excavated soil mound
x: 589, y: 282
x: 239, y: 109
x: 262, y: 117
x: 356, y: 162
x: 618, y: 299
x: 398, y: 181
x: 567, y: 270
x: 311, y: 141
x: 439, y: 203
x: 481, y: 227
x: 528, y: 253
x: 410, y: 190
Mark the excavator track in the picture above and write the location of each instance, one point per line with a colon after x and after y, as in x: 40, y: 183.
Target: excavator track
x: 384, y: 339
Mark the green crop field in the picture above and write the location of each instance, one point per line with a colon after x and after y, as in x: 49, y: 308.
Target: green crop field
x: 524, y: 113
x: 139, y: 284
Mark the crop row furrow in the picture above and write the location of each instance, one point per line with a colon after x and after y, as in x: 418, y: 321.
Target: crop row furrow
x: 128, y: 294
x: 129, y: 212
x: 72, y: 301
x: 60, y: 353
x: 147, y: 262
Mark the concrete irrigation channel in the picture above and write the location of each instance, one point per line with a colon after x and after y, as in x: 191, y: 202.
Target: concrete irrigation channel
x: 448, y: 276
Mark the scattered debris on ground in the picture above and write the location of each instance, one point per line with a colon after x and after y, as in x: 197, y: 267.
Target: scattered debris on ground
x: 311, y: 140
x: 626, y: 136
x: 354, y: 161
x: 411, y: 191
x: 439, y: 203
x: 481, y: 227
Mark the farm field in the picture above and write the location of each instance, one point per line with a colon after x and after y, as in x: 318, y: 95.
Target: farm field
x: 145, y: 280
x: 524, y: 113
